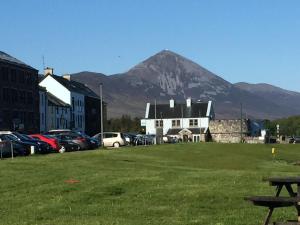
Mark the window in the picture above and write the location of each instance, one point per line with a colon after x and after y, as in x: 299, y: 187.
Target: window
x: 193, y: 123
x: 73, y: 102
x: 14, y: 96
x: 175, y: 123
x: 13, y: 75
x: 29, y: 98
x: 6, y: 95
x: 159, y: 123
x: 4, y: 73
x: 21, y: 76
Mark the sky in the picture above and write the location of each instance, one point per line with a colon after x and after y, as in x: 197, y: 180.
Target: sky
x: 255, y: 41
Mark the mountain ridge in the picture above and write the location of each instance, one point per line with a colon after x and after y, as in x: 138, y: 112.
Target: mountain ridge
x: 167, y: 75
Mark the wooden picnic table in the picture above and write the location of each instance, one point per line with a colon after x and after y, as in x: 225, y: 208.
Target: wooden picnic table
x: 277, y: 201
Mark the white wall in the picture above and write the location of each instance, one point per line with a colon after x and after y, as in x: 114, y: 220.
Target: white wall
x: 56, y: 89
x: 184, y: 122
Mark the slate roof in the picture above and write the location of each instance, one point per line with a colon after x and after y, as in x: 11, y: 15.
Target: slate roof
x: 75, y: 86
x: 4, y: 57
x: 179, y: 111
x: 56, y: 101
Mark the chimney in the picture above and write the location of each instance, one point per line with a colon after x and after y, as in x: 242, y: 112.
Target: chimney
x: 67, y: 76
x: 48, y: 71
x: 172, y: 102
x: 189, y: 102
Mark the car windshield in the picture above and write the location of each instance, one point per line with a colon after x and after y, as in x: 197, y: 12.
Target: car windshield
x: 21, y: 136
x: 11, y: 137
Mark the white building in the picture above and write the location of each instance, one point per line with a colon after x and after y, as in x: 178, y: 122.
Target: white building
x: 58, y: 113
x: 185, y: 121
x: 63, y: 89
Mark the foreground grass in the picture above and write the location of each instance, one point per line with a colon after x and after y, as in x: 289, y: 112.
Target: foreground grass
x: 168, y: 184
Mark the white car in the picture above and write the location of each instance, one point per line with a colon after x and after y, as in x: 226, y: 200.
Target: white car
x: 111, y: 139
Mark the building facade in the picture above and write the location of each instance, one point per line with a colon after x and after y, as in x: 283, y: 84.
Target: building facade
x: 185, y: 121
x: 19, y: 95
x: 58, y: 114
x: 43, y: 109
x: 85, y: 113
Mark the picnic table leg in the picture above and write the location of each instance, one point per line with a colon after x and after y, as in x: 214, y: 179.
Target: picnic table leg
x: 298, y: 203
x: 271, y: 209
x: 290, y: 190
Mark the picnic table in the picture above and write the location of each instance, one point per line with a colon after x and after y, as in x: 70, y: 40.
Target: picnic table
x: 278, y: 201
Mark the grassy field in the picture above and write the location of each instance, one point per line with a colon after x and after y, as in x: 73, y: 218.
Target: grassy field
x: 168, y: 184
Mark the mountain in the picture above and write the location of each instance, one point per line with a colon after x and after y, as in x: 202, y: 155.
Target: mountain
x: 279, y: 96
x: 168, y: 75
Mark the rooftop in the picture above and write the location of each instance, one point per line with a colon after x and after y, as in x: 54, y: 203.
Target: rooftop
x: 4, y: 57
x: 164, y: 111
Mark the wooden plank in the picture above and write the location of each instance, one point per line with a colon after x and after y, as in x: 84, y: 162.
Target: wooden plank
x: 274, y: 181
x: 273, y: 202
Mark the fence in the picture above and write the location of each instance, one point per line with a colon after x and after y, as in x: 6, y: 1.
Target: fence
x: 6, y: 149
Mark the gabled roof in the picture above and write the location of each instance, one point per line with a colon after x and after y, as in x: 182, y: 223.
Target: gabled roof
x: 179, y: 111
x: 56, y: 101
x: 4, y: 57
x: 74, y: 86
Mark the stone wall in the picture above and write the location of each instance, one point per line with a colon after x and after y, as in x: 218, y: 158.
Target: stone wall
x: 228, y: 131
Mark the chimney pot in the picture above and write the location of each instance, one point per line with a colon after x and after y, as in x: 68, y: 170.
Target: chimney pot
x: 189, y: 102
x: 172, y: 103
x: 48, y: 71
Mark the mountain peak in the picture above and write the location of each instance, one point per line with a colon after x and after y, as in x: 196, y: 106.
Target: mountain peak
x: 176, y: 75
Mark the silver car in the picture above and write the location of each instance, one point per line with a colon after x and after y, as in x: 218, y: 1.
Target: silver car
x: 111, y: 139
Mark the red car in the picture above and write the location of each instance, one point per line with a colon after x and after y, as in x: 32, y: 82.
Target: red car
x: 51, y: 141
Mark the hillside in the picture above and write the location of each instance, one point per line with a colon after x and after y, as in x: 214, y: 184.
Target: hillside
x: 168, y: 75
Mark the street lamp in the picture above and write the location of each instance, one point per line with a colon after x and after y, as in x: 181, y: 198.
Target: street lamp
x: 101, y: 114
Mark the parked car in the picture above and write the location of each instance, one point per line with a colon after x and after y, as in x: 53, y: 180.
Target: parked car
x: 52, y: 141
x: 74, y: 139
x: 92, y: 142
x: 58, y: 131
x: 111, y: 139
x: 18, y: 149
x: 296, y: 139
x: 129, y: 137
x: 88, y: 142
x: 41, y: 147
x: 143, y: 140
x: 68, y: 145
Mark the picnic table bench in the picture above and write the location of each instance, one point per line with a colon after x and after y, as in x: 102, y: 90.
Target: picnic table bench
x: 277, y: 201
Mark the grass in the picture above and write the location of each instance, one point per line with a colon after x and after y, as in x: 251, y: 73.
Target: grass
x: 168, y: 184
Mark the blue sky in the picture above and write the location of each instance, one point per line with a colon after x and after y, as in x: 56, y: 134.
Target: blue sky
x: 254, y: 41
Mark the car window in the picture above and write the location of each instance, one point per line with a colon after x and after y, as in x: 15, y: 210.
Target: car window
x: 115, y: 135
x: 107, y: 135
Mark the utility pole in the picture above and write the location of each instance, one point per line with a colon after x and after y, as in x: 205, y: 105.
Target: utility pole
x: 241, y: 122
x: 101, y: 114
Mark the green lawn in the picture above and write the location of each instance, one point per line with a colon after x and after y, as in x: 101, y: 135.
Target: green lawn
x: 167, y: 184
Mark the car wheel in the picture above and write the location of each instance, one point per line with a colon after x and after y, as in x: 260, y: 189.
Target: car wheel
x: 62, y: 149
x: 116, y: 144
